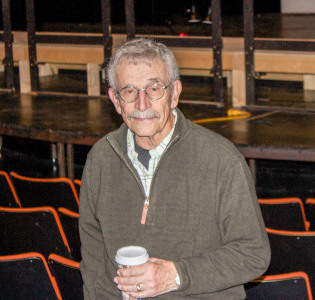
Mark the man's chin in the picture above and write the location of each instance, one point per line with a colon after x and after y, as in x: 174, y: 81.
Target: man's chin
x: 142, y: 134
x: 143, y: 125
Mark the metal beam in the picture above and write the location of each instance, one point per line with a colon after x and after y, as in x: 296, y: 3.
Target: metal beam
x: 8, y: 40
x: 284, y: 45
x: 130, y: 19
x: 31, y: 28
x: 106, y: 24
x: 248, y: 8
x: 218, y: 87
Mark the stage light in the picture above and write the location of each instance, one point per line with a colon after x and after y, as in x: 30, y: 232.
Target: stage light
x: 193, y: 17
x: 207, y: 19
x: 183, y: 34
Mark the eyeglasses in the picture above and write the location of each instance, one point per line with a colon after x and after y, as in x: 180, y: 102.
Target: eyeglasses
x: 154, y: 91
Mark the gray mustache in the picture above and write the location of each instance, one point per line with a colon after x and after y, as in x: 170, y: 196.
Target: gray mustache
x: 143, y: 114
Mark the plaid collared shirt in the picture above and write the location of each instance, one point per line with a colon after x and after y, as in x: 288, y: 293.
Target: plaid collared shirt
x: 146, y: 175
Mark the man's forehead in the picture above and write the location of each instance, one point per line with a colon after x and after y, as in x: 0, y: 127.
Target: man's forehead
x: 135, y: 63
x: 156, y: 72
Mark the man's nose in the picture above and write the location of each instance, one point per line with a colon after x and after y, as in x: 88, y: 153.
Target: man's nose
x: 143, y: 102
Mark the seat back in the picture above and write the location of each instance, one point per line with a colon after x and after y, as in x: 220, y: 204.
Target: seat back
x: 68, y: 277
x: 8, y: 196
x: 77, y: 185
x: 310, y: 212
x: 294, y: 285
x: 292, y: 251
x: 32, y: 230
x: 54, y: 192
x: 27, y: 276
x: 70, y: 224
x: 284, y: 214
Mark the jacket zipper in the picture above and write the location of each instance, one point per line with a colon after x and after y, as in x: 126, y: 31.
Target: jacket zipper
x: 147, y: 199
x: 145, y: 210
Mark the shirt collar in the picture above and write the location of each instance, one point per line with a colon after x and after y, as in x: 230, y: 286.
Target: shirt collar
x: 158, y: 150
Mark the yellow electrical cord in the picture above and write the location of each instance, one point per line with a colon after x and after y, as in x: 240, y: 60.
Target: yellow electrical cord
x: 233, y: 114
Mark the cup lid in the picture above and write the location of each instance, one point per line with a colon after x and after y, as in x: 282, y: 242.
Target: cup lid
x: 131, y: 256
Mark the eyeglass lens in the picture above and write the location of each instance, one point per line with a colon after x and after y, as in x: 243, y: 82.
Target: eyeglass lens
x: 154, y: 92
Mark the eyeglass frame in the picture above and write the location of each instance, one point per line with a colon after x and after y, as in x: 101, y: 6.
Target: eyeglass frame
x: 138, y: 91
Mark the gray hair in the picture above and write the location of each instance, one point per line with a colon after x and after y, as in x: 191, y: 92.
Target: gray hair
x: 142, y: 50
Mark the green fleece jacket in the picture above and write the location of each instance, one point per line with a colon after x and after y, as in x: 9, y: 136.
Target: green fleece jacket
x: 203, y: 215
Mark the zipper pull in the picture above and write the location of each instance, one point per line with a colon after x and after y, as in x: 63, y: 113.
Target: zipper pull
x: 145, y: 211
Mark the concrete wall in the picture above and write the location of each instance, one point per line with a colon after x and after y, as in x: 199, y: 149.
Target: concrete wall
x: 298, y: 6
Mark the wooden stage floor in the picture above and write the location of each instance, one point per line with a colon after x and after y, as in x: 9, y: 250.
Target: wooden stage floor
x: 79, y: 120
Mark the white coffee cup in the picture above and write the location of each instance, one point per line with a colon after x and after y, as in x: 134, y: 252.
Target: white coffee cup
x: 130, y: 256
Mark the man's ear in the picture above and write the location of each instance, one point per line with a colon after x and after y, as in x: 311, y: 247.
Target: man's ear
x: 115, y: 100
x: 177, y: 89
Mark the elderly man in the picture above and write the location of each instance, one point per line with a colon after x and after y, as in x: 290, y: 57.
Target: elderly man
x: 173, y: 187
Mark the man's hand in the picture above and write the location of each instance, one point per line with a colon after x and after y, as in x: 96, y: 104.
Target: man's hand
x: 154, y: 278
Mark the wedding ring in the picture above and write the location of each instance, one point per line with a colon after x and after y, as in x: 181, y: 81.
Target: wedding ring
x: 138, y: 287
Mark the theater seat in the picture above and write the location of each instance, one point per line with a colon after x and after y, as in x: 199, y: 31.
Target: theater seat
x: 77, y: 185
x: 54, y: 192
x: 68, y: 277
x: 8, y: 196
x: 27, y: 276
x: 292, y: 251
x: 32, y: 230
x: 70, y: 224
x: 310, y: 212
x: 288, y: 286
x: 284, y: 214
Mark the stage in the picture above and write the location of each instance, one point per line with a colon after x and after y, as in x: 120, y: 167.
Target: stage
x: 67, y: 121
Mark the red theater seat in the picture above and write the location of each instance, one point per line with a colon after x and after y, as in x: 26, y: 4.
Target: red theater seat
x: 284, y: 214
x: 54, y: 192
x: 294, y: 285
x: 27, y: 276
x: 68, y: 277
